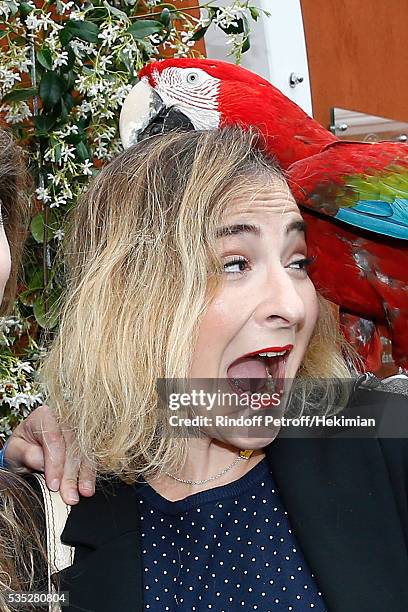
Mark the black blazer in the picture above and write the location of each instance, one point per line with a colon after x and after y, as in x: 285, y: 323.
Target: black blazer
x: 346, y: 499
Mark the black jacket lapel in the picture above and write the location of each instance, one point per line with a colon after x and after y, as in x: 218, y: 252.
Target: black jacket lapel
x: 107, y: 572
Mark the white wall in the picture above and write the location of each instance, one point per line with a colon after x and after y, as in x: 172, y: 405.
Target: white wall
x: 278, y: 48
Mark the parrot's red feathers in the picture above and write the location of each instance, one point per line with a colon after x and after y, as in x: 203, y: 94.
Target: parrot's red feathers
x: 347, y: 192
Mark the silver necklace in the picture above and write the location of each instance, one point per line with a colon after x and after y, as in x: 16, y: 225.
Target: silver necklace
x: 244, y: 455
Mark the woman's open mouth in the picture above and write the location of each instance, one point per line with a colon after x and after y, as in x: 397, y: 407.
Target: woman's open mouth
x: 261, y: 372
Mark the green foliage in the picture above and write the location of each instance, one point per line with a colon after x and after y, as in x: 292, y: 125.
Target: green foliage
x: 67, y: 68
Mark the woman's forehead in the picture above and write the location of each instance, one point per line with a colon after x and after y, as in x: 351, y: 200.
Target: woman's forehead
x: 274, y: 197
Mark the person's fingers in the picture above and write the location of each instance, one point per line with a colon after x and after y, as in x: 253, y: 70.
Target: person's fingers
x: 86, y: 480
x: 78, y: 476
x: 69, y: 489
x: 24, y: 455
x: 47, y: 432
x: 69, y: 482
x: 38, y: 443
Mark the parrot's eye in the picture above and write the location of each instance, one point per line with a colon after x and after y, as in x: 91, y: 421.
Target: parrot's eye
x: 192, y: 78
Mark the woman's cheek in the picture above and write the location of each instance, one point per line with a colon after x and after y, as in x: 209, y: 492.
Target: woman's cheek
x: 5, y: 261
x: 219, y: 313
x: 312, y: 308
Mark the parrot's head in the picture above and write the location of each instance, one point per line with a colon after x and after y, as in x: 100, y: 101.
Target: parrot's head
x: 183, y: 93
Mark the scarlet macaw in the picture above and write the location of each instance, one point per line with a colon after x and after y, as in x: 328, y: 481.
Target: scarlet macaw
x: 354, y: 196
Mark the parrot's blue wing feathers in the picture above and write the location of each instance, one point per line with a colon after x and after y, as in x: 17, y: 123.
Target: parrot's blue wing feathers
x: 389, y: 219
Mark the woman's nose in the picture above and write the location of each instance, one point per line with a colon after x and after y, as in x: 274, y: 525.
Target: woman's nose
x: 280, y: 301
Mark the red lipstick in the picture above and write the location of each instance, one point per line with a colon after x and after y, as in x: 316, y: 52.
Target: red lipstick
x: 274, y: 349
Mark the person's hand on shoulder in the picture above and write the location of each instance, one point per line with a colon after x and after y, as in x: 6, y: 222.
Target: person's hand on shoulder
x: 39, y: 444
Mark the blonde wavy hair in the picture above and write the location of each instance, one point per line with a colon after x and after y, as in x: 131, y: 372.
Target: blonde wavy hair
x: 141, y: 270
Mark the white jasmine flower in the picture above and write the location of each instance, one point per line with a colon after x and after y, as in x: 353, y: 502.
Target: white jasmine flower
x: 59, y: 234
x: 5, y: 8
x: 67, y: 152
x: 43, y: 194
x: 17, y: 111
x: 68, y: 129
x: 155, y: 39
x: 66, y: 190
x: 77, y: 15
x: 109, y: 34
x: 60, y: 60
x: 229, y: 16
x: 62, y: 7
x: 54, y: 179
x: 101, y: 151
x: 61, y: 201
x: 23, y: 366
x: 202, y: 22
x: 8, y: 78
x: 41, y: 21
x: 185, y: 39
x: 104, y: 62
x: 87, y: 167
x: 7, y: 323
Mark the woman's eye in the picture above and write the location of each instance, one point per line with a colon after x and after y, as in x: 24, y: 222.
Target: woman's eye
x: 236, y: 266
x: 302, y: 265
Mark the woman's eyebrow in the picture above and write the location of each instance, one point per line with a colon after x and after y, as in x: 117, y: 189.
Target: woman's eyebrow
x: 239, y: 228
x: 298, y: 225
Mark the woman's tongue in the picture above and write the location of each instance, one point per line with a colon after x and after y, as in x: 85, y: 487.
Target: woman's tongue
x: 249, y: 374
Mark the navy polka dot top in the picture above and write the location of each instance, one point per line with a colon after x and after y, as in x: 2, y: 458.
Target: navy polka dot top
x: 226, y: 549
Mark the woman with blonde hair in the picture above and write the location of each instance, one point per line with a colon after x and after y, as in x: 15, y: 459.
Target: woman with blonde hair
x: 187, y: 262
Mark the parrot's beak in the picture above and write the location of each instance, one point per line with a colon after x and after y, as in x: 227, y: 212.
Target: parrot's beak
x: 144, y: 114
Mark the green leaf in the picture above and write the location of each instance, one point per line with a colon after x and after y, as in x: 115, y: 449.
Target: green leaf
x: 82, y: 151
x: 57, y: 153
x: 27, y: 297
x: 44, y: 124
x: 37, y: 280
x: 63, y: 111
x: 115, y: 11
x: 84, y: 30
x: 20, y: 94
x: 71, y: 59
x: 68, y: 101
x: 44, y: 58
x: 49, y: 318
x: 12, y: 6
x: 65, y: 37
x: 3, y: 34
x: 69, y: 80
x: 254, y: 12
x: 165, y: 17
x: 51, y: 89
x: 144, y: 27
x: 25, y: 9
x: 124, y: 58
x: 240, y: 27
x: 37, y: 227
x: 246, y: 45
x: 198, y: 35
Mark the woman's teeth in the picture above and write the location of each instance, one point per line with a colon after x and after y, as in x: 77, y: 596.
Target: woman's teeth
x: 271, y: 354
